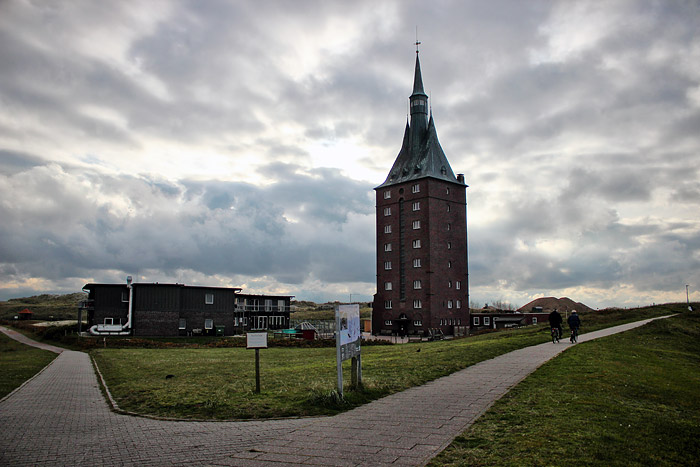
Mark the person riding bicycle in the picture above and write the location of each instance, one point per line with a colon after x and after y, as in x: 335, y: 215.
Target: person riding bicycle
x: 555, y: 321
x: 574, y: 322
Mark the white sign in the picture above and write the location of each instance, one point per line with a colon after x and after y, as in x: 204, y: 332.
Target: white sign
x: 256, y: 340
x: 348, y: 326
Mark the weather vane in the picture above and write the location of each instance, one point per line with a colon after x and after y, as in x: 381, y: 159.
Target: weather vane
x: 417, y: 41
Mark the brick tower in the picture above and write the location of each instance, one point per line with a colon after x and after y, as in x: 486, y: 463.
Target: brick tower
x: 422, y: 268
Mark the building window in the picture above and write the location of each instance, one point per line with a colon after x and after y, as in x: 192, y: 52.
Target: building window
x: 268, y: 305
x: 417, y: 285
x: 387, y: 194
x: 459, y: 304
x: 387, y: 322
x: 442, y: 322
x: 449, y: 245
x: 208, y: 324
x: 534, y: 320
x: 449, y: 226
x: 487, y: 320
x: 449, y: 264
x: 416, y: 263
x: 416, y: 225
x: 182, y: 324
x: 415, y: 188
x: 387, y: 265
x: 449, y: 284
x: 387, y: 247
x: 387, y: 229
x: 449, y: 303
x: 387, y: 286
x: 281, y: 305
x: 125, y: 296
x: 417, y: 323
x: 459, y: 321
x: 416, y: 243
x: 387, y: 304
x: 209, y: 298
x: 475, y: 320
x: 447, y: 190
x: 387, y: 211
x: 416, y: 206
x: 448, y: 208
x: 416, y: 304
x: 458, y: 285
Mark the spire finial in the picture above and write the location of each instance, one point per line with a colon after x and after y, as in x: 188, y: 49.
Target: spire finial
x: 417, y: 41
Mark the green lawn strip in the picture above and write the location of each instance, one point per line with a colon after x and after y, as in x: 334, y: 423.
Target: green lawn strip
x: 219, y: 383
x: 628, y: 399
x: 19, y: 362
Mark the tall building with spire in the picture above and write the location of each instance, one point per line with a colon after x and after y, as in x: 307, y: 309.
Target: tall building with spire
x: 422, y: 267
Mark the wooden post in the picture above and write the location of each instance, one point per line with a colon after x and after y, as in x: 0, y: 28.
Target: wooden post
x: 257, y: 371
x: 353, y: 372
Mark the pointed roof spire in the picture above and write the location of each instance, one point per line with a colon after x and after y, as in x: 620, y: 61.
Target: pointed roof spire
x: 418, y: 80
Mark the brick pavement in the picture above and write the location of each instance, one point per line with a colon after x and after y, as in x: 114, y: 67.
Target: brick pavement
x: 61, y: 418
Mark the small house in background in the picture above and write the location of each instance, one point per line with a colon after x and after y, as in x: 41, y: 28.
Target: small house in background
x: 503, y: 319
x: 26, y: 314
x: 153, y: 309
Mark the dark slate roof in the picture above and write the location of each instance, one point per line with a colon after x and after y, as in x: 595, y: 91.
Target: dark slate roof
x: 421, y: 155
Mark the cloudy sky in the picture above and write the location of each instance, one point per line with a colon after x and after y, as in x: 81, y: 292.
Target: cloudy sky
x: 234, y: 143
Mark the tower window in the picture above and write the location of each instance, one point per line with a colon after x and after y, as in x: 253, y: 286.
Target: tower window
x: 387, y: 211
x: 416, y: 225
x: 209, y: 298
x: 449, y: 284
x: 449, y: 226
x: 416, y: 263
x: 449, y: 303
x: 448, y: 208
x: 449, y: 264
x: 387, y: 265
x: 417, y: 304
x: 387, y: 286
x: 387, y: 194
x: 416, y: 285
x: 387, y: 247
x: 447, y: 190
x: 415, y: 188
x: 387, y: 304
x: 449, y: 245
x: 416, y: 243
x: 387, y: 229
x: 458, y: 285
x: 416, y: 206
x: 459, y: 305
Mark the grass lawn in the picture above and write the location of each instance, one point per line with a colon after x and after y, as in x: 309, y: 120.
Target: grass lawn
x: 629, y: 399
x: 219, y: 383
x: 19, y: 362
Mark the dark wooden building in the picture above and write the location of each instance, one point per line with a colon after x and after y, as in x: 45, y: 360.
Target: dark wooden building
x: 153, y: 309
x: 422, y: 268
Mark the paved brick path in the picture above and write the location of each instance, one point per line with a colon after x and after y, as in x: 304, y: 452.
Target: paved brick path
x: 61, y: 418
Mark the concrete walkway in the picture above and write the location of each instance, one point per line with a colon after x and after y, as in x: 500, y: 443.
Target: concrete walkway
x: 61, y: 418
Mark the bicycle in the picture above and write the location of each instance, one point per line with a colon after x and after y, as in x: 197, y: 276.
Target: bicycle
x: 555, y: 335
x: 574, y: 336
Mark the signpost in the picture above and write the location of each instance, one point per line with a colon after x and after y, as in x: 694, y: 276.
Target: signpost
x: 257, y: 341
x: 347, y: 342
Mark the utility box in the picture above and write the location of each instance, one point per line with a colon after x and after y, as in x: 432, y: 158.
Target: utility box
x: 220, y: 330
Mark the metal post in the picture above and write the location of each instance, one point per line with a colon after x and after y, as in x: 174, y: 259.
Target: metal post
x: 353, y: 373
x: 339, y: 362
x: 257, y: 371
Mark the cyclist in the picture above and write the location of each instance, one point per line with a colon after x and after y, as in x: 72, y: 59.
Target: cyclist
x: 574, y: 323
x: 555, y: 321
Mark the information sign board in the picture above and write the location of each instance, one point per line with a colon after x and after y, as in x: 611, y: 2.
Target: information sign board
x: 256, y: 340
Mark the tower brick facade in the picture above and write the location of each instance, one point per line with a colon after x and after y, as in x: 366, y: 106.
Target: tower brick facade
x: 422, y: 266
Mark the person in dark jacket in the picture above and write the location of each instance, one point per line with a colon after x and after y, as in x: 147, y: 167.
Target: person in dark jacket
x: 574, y: 321
x: 555, y: 321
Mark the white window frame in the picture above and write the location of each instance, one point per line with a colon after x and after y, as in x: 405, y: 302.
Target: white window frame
x: 208, y: 323
x: 417, y: 284
x: 182, y: 324
x: 387, y: 194
x: 449, y: 208
x: 387, y: 304
x: 534, y: 320
x: 268, y: 304
x: 281, y: 305
x: 416, y: 225
x: 449, y: 284
x: 387, y: 247
x: 449, y: 226
x: 387, y: 286
x: 417, y: 304
x: 487, y: 321
x: 387, y: 229
x: 415, y: 188
x: 416, y: 262
x: 125, y: 296
x: 417, y: 322
x: 449, y: 304
x: 208, y: 298
x: 387, y: 265
x: 387, y: 322
x: 458, y: 285
x: 449, y: 264
x: 416, y: 243
x: 449, y: 245
x: 108, y: 321
x: 458, y: 304
x: 475, y: 320
x: 416, y: 205
x: 387, y: 211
